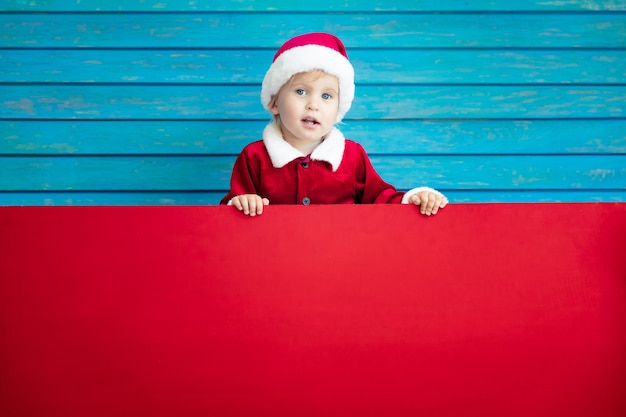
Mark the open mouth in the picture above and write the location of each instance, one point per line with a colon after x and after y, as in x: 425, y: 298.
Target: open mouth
x: 310, y: 121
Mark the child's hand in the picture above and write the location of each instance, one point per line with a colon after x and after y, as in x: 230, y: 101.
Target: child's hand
x: 249, y: 204
x: 429, y: 202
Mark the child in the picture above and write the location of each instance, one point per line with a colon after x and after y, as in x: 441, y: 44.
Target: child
x: 303, y: 158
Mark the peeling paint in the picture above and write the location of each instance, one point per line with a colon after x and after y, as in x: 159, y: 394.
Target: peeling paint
x: 23, y: 105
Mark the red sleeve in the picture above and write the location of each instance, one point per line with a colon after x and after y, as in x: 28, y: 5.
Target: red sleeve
x: 370, y: 186
x: 244, y: 178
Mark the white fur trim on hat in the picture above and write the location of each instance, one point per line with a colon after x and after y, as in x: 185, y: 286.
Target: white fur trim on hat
x: 308, y: 58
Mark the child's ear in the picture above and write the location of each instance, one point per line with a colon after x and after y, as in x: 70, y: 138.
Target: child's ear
x: 274, y: 106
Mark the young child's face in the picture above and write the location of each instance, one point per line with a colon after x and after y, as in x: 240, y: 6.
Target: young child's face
x: 308, y: 107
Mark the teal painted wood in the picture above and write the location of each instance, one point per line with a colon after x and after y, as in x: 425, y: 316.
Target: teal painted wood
x: 151, y: 108
x: 505, y: 172
x: 388, y: 66
x: 541, y: 196
x: 180, y: 173
x: 371, y: 102
x: 148, y: 198
x: 320, y: 5
x: 270, y: 30
x: 106, y: 198
x: 419, y: 137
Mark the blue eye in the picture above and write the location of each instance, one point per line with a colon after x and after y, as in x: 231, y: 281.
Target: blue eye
x: 326, y: 96
x: 300, y: 92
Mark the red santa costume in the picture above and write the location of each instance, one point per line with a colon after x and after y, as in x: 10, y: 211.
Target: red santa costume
x: 338, y: 171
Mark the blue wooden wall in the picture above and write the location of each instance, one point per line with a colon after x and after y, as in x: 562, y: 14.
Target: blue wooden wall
x: 148, y: 102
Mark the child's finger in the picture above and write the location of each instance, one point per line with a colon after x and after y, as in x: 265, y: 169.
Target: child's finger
x: 245, y: 205
x: 236, y: 203
x: 432, y: 201
x: 426, y: 205
x: 257, y: 206
x: 252, y: 206
x: 440, y: 203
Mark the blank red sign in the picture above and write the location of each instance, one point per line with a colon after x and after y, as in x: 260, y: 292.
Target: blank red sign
x: 483, y: 310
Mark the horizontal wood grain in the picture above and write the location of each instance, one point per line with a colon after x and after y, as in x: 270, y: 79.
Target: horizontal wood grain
x: 235, y: 30
x: 242, y: 102
x: 135, y: 102
x: 320, y: 5
x: 109, y: 198
x: 241, y: 66
x: 479, y: 137
x: 151, y: 198
x: 461, y: 172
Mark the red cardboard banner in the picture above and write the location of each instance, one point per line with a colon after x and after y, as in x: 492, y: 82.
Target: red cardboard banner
x: 481, y: 310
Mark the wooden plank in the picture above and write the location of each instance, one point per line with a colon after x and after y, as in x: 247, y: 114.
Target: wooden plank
x: 534, y: 196
x: 372, y: 102
x: 372, y: 66
x: 149, y: 198
x: 269, y: 30
x: 462, y: 172
x: 581, y: 136
x: 180, y: 123
x: 133, y: 198
x: 110, y: 198
x: 94, y: 173
x: 320, y: 5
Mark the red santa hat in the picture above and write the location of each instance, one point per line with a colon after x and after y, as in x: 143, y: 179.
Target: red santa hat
x: 311, y: 51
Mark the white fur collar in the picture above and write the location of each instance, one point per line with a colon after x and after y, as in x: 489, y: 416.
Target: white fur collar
x: 281, y: 152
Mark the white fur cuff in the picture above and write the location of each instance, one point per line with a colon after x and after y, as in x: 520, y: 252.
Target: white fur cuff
x: 408, y: 194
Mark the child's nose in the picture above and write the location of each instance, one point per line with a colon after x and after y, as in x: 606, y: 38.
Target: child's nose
x: 312, y: 103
